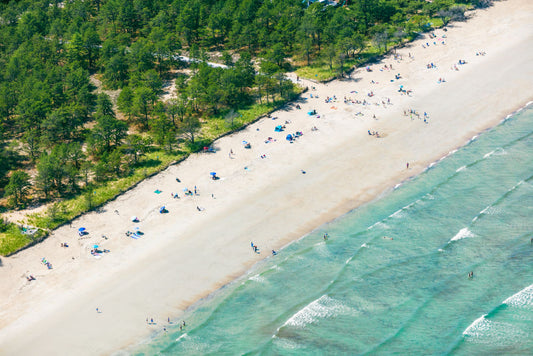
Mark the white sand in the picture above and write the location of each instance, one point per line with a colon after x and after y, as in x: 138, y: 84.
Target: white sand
x: 186, y: 254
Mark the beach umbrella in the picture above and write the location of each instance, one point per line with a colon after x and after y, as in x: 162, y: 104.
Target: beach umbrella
x: 81, y: 229
x: 134, y: 218
x: 289, y: 137
x: 213, y: 173
x: 185, y: 190
x: 161, y: 209
x: 95, y: 246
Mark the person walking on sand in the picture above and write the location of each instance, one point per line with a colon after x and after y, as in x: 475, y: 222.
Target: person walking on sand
x: 407, y: 165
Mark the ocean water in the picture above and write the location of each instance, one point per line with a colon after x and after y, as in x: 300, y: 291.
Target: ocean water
x: 393, y: 276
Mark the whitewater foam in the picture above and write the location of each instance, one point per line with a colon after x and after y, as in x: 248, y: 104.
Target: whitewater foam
x: 522, y: 298
x: 378, y: 224
x: 321, y: 308
x: 463, y: 233
x: 462, y: 168
x: 181, y: 337
x: 499, y: 151
x: 257, y: 278
x: 485, y: 331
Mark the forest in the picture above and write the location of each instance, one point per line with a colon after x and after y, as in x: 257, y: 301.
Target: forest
x: 95, y: 94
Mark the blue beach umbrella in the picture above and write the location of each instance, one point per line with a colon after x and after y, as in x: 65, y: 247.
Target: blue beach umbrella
x: 213, y: 173
x: 81, y: 229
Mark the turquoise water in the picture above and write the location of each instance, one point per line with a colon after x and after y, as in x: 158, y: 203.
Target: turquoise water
x: 361, y: 293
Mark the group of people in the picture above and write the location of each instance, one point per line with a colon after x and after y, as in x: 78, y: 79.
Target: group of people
x: 374, y: 133
x: 46, y: 263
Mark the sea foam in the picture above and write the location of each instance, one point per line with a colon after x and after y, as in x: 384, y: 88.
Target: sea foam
x: 485, y: 331
x: 464, y: 232
x: 321, y: 308
x: 524, y: 298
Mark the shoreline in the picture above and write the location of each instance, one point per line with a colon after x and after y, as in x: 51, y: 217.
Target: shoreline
x: 271, y: 202
x: 257, y: 265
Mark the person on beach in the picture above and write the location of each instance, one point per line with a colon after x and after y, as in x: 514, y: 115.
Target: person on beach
x: 326, y: 236
x: 407, y: 165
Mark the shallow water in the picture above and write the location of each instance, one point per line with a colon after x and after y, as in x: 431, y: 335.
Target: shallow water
x: 393, y: 276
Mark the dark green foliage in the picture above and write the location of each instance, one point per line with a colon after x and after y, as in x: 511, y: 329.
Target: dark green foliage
x: 49, y: 49
x: 17, y: 187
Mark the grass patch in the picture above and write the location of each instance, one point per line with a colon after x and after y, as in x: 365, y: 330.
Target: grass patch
x: 12, y: 240
x: 320, y: 71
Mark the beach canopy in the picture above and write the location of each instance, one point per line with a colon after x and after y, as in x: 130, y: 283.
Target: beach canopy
x: 134, y: 218
x: 81, y: 229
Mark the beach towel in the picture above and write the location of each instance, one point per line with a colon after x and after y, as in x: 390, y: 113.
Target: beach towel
x: 135, y: 236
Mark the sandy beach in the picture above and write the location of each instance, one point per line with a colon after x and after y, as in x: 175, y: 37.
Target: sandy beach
x: 271, y: 194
